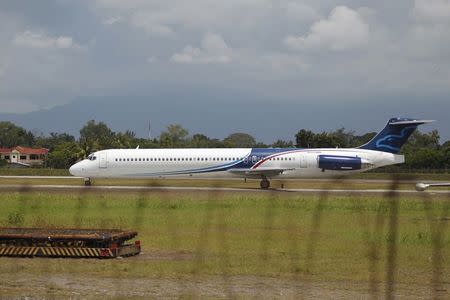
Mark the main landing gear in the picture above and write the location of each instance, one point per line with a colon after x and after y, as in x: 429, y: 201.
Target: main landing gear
x: 87, y: 182
x: 264, y: 184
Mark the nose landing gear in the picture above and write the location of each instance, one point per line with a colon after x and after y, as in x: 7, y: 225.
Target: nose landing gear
x: 87, y: 182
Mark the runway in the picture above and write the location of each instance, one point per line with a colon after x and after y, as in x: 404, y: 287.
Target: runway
x: 350, y: 180
x: 17, y: 187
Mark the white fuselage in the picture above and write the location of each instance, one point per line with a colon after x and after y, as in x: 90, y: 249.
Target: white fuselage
x: 240, y: 162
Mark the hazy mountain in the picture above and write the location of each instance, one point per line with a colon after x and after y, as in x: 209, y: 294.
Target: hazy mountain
x: 219, y: 115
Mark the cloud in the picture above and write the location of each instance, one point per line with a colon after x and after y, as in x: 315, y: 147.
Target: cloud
x: 147, y: 22
x: 300, y: 11
x: 432, y: 10
x: 165, y: 18
x: 151, y: 59
x: 343, y: 30
x: 213, y: 50
x: 112, y: 20
x: 42, y: 41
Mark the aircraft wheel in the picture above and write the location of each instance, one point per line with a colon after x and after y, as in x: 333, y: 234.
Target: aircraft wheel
x: 87, y: 182
x: 265, y: 184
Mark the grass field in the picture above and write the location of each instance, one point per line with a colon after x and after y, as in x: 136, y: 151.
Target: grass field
x: 234, y: 244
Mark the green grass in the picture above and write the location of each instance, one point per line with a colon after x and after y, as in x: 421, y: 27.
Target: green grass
x: 277, y: 235
x: 235, y: 183
x: 5, y: 171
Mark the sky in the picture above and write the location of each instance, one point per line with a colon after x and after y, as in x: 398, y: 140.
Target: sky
x: 347, y: 59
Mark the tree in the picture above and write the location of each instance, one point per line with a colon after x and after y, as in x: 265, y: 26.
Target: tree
x: 239, y: 140
x: 423, y: 140
x: 174, y: 137
x: 425, y: 158
x: 260, y: 145
x: 304, y: 138
x: 360, y: 140
x: 200, y: 141
x: 446, y: 153
x: 145, y: 143
x: 12, y: 135
x: 64, y: 155
x: 54, y: 139
x: 283, y: 144
x: 96, y: 136
x: 125, y: 139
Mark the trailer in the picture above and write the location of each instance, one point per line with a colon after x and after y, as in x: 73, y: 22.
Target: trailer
x: 68, y: 242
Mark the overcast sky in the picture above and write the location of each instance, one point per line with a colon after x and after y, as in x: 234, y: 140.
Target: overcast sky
x: 326, y: 52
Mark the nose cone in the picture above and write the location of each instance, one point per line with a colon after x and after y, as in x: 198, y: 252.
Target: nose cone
x: 75, y: 170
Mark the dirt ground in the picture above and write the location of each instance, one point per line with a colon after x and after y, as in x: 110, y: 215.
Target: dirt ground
x: 55, y: 286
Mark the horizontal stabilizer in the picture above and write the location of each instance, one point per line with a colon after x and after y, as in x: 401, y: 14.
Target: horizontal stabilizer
x: 411, y: 122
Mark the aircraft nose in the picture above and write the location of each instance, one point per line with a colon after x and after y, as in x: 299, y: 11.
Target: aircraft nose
x: 75, y: 169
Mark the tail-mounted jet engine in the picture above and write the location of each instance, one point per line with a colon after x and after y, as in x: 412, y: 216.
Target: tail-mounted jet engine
x: 342, y: 163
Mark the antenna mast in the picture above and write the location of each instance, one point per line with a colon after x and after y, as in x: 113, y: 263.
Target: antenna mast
x: 149, y: 131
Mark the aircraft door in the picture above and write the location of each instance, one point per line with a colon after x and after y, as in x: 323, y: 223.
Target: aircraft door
x: 102, y: 160
x: 303, y: 161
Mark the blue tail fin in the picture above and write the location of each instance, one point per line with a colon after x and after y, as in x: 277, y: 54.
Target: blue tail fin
x: 394, y: 135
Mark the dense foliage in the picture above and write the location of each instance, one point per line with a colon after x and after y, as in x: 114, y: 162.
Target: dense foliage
x: 423, y: 150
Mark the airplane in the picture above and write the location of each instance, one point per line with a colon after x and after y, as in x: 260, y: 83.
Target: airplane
x: 256, y: 163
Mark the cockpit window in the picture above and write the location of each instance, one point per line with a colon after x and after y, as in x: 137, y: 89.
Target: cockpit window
x: 92, y: 157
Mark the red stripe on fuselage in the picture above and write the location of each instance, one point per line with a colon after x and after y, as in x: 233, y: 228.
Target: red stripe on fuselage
x: 275, y: 155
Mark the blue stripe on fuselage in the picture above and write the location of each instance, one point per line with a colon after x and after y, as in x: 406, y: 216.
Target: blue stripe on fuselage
x: 256, y: 154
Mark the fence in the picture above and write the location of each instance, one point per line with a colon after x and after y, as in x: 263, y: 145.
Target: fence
x: 231, y: 243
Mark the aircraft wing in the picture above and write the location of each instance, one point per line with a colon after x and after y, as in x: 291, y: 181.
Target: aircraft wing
x: 258, y: 173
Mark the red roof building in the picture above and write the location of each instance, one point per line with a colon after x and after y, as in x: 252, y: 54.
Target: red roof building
x: 24, y: 155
